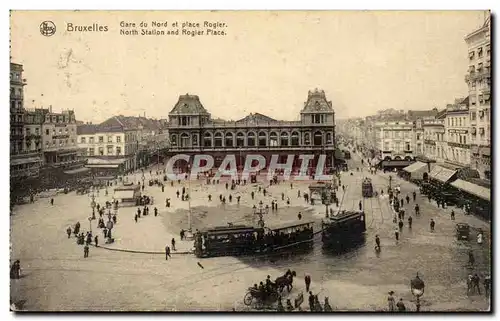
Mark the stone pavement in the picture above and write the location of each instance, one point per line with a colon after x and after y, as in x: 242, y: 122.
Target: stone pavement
x: 108, y: 280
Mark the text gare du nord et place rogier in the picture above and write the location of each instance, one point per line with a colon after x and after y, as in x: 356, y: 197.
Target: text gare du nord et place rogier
x: 186, y: 28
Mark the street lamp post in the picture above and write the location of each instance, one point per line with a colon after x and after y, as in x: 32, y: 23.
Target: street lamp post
x: 417, y: 287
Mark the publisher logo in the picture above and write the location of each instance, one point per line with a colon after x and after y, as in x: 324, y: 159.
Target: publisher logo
x: 47, y: 28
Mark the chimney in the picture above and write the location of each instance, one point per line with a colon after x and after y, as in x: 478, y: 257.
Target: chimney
x: 50, y: 108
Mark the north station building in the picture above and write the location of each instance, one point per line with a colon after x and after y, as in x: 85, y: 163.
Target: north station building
x: 192, y: 131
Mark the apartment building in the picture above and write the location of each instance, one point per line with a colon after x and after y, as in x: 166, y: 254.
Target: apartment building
x: 457, y: 129
x: 478, y: 79
x: 112, y: 144
x: 24, y: 144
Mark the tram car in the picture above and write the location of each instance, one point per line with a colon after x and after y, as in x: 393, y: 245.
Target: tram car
x: 342, y: 229
x: 239, y: 240
x: 367, y: 187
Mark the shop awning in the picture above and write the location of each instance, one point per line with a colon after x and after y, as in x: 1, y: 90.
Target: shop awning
x: 396, y: 163
x: 77, y: 170
x: 102, y: 165
x: 417, y: 170
x: 442, y: 174
x: 120, y: 195
x: 100, y: 161
x: 414, y: 167
x: 28, y: 160
x: 471, y: 188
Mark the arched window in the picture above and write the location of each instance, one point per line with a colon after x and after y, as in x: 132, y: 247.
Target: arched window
x: 307, y: 139
x: 262, y: 139
x: 173, y: 140
x: 273, y: 139
x: 207, y: 140
x: 284, y: 139
x: 218, y: 140
x: 251, y: 139
x: 240, y: 139
x: 185, y: 140
x: 318, y: 139
x: 295, y: 139
x: 194, y: 138
x: 329, y: 138
x: 229, y: 140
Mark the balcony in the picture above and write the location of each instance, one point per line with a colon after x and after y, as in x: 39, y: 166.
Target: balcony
x: 25, y: 173
x: 479, y: 74
x: 60, y: 136
x: 458, y: 145
x: 33, y: 136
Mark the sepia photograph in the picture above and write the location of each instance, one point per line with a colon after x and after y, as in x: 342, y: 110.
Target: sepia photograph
x: 250, y: 161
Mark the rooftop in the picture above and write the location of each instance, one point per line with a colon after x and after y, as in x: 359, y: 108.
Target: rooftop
x: 188, y: 104
x: 316, y: 102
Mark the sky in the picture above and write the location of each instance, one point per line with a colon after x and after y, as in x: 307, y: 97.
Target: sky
x: 364, y: 61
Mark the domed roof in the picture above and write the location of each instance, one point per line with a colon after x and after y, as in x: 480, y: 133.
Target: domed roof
x: 188, y: 104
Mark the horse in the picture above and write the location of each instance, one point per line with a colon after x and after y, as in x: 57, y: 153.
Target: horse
x: 285, y: 280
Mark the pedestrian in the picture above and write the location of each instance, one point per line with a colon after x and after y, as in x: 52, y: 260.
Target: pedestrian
x: 135, y: 218
x: 299, y: 217
x: 396, y: 233
x: 487, y: 284
x: 390, y: 301
x: 86, y: 251
x: 401, y: 306
x: 402, y: 202
x: 471, y: 258
x: 51, y: 201
x: 417, y: 209
x: 377, y: 241
x: 452, y: 215
x: 400, y: 225
x: 307, y: 279
x: 156, y: 211
x: 182, y: 234
x: 414, y: 196
x: 238, y: 199
x: 432, y: 225
x: 407, y: 199
x: 288, y: 201
x: 360, y: 206
x: 173, y: 244
x: 311, y: 301
x: 162, y: 188
x: 410, y: 220
x: 96, y: 241
x: 177, y: 193
x: 209, y: 197
x: 167, y: 252
x: 252, y: 194
x: 68, y: 231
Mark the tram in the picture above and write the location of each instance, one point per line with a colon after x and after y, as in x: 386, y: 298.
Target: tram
x: 239, y: 240
x: 343, y: 228
x: 367, y: 187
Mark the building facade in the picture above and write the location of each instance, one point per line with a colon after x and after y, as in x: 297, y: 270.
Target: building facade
x: 396, y: 139
x: 24, y: 143
x: 59, y: 139
x: 478, y: 79
x: 457, y: 128
x: 192, y: 130
x: 112, y: 145
x: 434, y: 145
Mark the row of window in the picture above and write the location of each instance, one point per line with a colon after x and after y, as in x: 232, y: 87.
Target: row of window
x: 480, y: 52
x: 100, y: 139
x: 227, y: 140
x: 60, y: 142
x: 110, y: 151
x: 396, y: 134
x: 457, y: 122
x: 452, y: 154
x: 397, y: 146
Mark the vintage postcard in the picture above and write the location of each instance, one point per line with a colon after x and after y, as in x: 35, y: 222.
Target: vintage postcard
x: 277, y: 161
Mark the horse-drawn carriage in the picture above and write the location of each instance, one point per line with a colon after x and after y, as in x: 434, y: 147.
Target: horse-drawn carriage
x: 261, y: 296
x: 271, y: 292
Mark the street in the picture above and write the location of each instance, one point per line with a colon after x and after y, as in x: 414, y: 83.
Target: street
x: 57, y: 277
